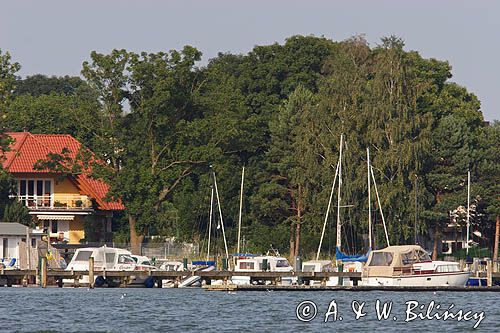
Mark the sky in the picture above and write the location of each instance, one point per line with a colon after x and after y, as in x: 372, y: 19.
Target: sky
x: 54, y: 37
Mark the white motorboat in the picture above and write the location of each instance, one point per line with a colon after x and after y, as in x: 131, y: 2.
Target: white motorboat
x: 256, y: 264
x: 410, y: 266
x: 110, y: 259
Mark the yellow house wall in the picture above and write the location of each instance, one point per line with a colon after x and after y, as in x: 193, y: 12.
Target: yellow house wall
x: 76, y: 231
x: 64, y: 188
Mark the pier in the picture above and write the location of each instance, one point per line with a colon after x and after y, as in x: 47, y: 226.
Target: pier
x: 54, y: 277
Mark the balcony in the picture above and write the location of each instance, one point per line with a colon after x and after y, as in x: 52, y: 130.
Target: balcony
x: 57, y: 202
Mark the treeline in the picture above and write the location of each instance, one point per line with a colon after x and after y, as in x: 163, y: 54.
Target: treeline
x: 163, y: 124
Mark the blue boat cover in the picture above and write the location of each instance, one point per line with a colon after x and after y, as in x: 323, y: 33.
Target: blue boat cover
x: 204, y: 263
x: 356, y: 257
x: 245, y: 255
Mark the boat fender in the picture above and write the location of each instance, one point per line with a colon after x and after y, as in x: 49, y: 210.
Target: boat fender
x: 149, y: 282
x: 99, y: 281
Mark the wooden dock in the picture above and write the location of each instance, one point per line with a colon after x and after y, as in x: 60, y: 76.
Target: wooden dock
x: 267, y: 280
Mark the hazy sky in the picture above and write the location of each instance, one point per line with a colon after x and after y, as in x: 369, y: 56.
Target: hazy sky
x: 55, y: 37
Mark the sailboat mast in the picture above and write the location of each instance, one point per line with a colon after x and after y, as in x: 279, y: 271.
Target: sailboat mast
x: 241, y: 207
x: 369, y: 200
x: 220, y: 215
x: 339, y: 241
x: 210, y: 220
x: 468, y: 212
x: 327, y: 212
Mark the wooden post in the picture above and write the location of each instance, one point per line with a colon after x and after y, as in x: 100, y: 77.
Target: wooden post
x: 489, y: 273
x: 43, y: 281
x: 497, y: 235
x: 91, y: 273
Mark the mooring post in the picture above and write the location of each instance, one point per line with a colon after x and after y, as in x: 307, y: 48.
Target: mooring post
x: 298, y: 268
x: 224, y: 264
x: 43, y: 281
x: 91, y: 273
x: 489, y: 272
x: 341, y: 269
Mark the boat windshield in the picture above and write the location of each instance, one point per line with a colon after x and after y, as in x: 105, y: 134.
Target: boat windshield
x: 282, y: 263
x: 309, y: 268
x: 381, y: 259
x: 125, y: 259
x: 414, y: 257
x: 247, y: 265
x: 83, y: 255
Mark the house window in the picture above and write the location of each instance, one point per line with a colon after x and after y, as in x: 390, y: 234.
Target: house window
x: 35, y: 192
x: 33, y: 242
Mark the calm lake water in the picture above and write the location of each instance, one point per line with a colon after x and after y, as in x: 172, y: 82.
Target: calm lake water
x: 187, y: 310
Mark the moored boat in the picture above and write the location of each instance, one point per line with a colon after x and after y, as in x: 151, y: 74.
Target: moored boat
x: 410, y: 266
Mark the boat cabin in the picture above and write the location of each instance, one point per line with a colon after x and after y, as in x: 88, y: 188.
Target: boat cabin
x: 255, y: 264
x: 108, y: 258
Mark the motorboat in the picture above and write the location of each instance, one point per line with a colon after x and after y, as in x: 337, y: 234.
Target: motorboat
x: 111, y: 259
x: 257, y: 264
x: 410, y: 266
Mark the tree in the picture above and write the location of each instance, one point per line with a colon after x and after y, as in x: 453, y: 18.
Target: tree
x: 16, y: 212
x: 39, y: 84
x: 8, y: 72
x: 281, y: 195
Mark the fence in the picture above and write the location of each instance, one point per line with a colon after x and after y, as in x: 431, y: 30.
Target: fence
x: 164, y: 250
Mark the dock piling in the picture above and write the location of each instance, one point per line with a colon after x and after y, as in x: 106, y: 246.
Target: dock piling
x: 489, y: 272
x: 43, y: 281
x: 91, y: 273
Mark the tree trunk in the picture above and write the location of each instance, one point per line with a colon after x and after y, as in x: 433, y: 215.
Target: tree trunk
x: 497, y: 234
x: 292, y: 242
x: 436, y: 242
x: 299, y: 221
x: 135, y: 238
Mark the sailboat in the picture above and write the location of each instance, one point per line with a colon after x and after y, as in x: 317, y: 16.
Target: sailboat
x: 352, y: 263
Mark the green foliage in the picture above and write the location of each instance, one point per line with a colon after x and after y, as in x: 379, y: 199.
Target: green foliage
x: 15, y: 212
x: 163, y: 124
x: 38, y: 84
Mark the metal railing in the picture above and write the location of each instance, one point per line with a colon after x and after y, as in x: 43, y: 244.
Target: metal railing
x: 55, y: 201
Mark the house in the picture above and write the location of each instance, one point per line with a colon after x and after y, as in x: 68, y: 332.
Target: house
x: 58, y: 204
x: 13, y: 244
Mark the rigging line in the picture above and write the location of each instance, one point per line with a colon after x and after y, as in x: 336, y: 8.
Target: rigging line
x: 220, y: 214
x: 327, y: 211
x: 210, y: 220
x: 380, y: 207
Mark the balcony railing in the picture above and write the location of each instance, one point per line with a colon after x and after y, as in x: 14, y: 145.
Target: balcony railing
x: 55, y: 202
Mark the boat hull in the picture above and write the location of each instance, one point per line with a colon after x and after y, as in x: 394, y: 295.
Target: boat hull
x: 454, y: 279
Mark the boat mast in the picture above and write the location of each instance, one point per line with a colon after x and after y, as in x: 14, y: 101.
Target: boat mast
x: 210, y: 220
x: 220, y: 214
x: 369, y: 200
x: 241, y: 206
x: 327, y: 212
x: 380, y: 207
x: 339, y: 241
x: 468, y: 212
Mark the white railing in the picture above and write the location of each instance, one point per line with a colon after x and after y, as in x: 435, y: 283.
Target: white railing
x: 55, y: 201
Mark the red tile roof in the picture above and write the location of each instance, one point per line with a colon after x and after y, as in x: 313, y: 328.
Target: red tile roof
x: 29, y: 148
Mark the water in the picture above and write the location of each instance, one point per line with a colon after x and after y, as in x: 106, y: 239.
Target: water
x: 188, y: 310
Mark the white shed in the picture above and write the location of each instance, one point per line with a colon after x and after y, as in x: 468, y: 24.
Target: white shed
x: 13, y: 243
